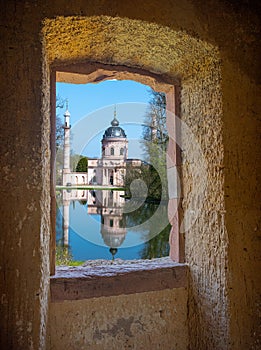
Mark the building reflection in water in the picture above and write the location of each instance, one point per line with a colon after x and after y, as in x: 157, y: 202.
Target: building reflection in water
x: 106, y: 203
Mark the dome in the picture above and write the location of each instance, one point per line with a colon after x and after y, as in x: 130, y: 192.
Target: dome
x: 113, y: 240
x: 115, y: 122
x: 114, y: 130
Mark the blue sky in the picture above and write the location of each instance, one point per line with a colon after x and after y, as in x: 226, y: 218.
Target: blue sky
x: 92, y: 106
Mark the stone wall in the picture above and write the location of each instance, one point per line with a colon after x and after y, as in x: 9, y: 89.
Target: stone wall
x: 153, y: 320
x: 212, y: 53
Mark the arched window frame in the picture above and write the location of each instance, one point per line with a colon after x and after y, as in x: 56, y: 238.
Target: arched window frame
x: 177, y: 249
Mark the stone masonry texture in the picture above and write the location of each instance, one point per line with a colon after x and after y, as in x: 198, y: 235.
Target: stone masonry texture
x: 211, y: 51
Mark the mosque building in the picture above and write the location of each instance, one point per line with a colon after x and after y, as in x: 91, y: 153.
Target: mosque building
x: 110, y: 169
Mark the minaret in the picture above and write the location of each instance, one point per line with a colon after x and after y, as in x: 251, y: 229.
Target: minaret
x: 66, y: 149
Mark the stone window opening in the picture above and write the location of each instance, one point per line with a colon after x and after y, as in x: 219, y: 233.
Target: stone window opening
x: 67, y: 74
x: 170, y: 100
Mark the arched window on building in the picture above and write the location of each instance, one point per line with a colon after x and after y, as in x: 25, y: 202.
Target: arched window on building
x: 112, y: 151
x: 121, y: 151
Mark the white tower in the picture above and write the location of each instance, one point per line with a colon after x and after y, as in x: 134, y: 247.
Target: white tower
x: 66, y: 149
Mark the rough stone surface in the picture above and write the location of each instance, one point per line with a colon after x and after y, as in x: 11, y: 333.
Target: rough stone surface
x: 102, y: 278
x: 154, y: 320
x: 213, y: 52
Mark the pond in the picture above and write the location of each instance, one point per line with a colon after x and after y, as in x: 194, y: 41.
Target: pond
x: 103, y: 224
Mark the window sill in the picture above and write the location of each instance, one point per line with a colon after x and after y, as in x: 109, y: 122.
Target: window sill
x: 84, y: 282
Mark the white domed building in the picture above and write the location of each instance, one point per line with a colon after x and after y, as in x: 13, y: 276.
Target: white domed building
x: 110, y: 169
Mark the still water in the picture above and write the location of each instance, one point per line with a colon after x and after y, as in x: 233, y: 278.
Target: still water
x: 102, y: 224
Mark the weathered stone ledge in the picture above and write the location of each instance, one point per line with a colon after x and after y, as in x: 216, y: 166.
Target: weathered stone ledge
x: 104, y: 278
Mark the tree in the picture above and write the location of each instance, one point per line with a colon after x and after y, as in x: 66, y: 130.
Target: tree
x: 158, y: 246
x: 59, y: 140
x: 148, y: 174
x: 155, y: 129
x: 155, y: 139
x: 82, y: 165
x: 59, y: 124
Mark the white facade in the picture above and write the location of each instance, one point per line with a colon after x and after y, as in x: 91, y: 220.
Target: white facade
x: 110, y: 169
x: 75, y: 179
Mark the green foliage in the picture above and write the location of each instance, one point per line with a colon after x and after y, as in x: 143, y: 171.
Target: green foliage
x: 149, y: 175
x: 143, y: 212
x: 154, y: 174
x: 63, y: 256
x: 82, y: 165
x: 158, y: 246
x: 155, y: 139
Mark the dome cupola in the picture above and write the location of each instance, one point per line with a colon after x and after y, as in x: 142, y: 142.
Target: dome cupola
x: 115, y: 122
x: 114, y: 130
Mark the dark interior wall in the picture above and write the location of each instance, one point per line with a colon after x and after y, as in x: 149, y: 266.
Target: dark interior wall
x: 233, y: 31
